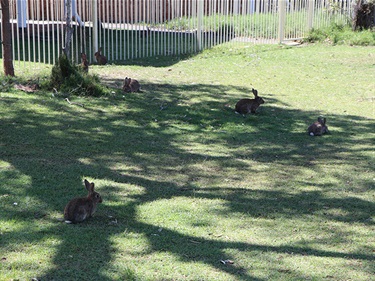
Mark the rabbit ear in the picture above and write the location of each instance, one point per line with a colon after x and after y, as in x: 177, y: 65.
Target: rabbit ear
x: 255, y: 92
x: 89, y: 186
x: 324, y: 121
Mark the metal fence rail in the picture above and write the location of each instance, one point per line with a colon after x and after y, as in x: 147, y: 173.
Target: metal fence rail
x: 130, y: 29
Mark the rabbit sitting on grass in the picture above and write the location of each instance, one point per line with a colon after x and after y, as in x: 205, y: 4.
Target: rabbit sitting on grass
x: 318, y: 128
x: 245, y: 106
x: 131, y: 85
x: 101, y: 59
x: 84, y: 62
x: 79, y: 209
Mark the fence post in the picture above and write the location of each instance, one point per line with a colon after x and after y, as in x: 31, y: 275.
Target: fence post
x: 310, y: 14
x: 282, y: 12
x: 94, y: 10
x: 200, y: 25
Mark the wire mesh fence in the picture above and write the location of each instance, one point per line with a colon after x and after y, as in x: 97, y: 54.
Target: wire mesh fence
x: 131, y: 29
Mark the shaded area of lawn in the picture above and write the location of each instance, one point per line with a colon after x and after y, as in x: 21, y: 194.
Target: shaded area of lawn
x: 158, y: 134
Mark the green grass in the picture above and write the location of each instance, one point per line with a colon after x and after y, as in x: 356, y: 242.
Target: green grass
x: 185, y: 181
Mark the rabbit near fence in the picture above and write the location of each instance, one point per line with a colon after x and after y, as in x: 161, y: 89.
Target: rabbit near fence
x: 101, y: 59
x: 84, y: 63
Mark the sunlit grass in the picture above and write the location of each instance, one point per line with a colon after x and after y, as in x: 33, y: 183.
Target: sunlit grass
x: 185, y: 181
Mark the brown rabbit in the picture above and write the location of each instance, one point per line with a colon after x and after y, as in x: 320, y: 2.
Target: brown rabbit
x: 84, y: 62
x: 245, y: 106
x: 131, y: 85
x: 101, y: 59
x: 79, y: 209
x: 318, y: 128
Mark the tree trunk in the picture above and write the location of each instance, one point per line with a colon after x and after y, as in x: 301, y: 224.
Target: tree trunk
x: 68, y: 28
x: 7, y: 39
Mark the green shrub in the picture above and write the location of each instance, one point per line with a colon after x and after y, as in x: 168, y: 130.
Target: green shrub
x: 340, y: 34
x: 70, y: 79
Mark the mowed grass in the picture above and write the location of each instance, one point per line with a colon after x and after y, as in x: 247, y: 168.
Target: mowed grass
x: 185, y: 181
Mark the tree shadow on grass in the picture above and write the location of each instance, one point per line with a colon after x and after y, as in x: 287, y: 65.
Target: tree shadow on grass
x: 53, y: 152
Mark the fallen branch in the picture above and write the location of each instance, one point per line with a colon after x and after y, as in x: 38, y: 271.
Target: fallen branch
x: 76, y: 89
x: 74, y: 103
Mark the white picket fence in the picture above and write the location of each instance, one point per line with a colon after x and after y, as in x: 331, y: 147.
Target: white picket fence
x: 131, y: 29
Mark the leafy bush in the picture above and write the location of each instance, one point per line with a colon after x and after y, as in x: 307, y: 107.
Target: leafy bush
x: 70, y: 79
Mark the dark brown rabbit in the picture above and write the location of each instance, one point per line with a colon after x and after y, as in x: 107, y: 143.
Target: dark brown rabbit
x: 101, y: 59
x: 131, y: 85
x: 318, y: 128
x: 245, y: 106
x: 79, y: 209
x: 84, y: 62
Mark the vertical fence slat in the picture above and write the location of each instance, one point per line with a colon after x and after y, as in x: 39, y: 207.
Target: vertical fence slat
x: 200, y: 24
x: 29, y: 34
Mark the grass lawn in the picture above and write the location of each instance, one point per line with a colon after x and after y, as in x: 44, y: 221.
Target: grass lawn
x: 187, y: 183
